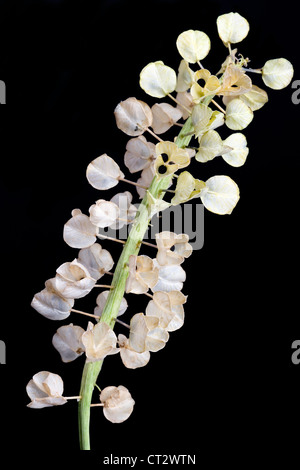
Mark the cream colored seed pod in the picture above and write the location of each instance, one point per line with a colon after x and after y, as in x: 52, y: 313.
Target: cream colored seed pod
x: 51, y: 304
x: 170, y: 277
x: 210, y: 145
x: 185, y: 103
x: 130, y: 358
x: 73, y: 280
x: 79, y: 232
x: 103, y: 173
x: 193, y: 45
x: 145, y: 180
x: 238, y: 115
x: 103, y: 213
x: 237, y: 156
x: 211, y: 87
x: 205, y: 119
x: 118, y: 403
x: 164, y: 117
x: 142, y: 274
x: 187, y: 187
x: 277, y: 73
x: 127, y: 211
x: 96, y: 259
x: 67, y: 341
x: 235, y: 81
x: 139, y: 154
x: 155, y: 205
x: 185, y: 77
x: 255, y: 98
x: 157, y: 79
x: 168, y: 307
x: 232, y: 28
x: 99, y: 341
x: 101, y: 301
x: 145, y: 334
x: 45, y: 389
x: 220, y: 194
x: 176, y: 158
x: 167, y: 240
x: 133, y: 116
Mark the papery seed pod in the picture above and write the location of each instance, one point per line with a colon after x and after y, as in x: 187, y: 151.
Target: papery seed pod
x: 73, y: 280
x: 277, y: 73
x: 142, y: 274
x: 127, y: 211
x: 104, y: 213
x: 235, y: 82
x: 164, y: 117
x: 187, y: 188
x: 118, y: 403
x: 220, y: 194
x: 139, y: 155
x: 205, y: 119
x: 145, y: 180
x: 211, y: 87
x: 103, y: 173
x: 79, y: 232
x: 185, y: 77
x: 96, y: 259
x: 232, y: 28
x: 167, y: 240
x: 145, y: 334
x: 133, y: 116
x: 193, y: 45
x: 255, y: 98
x: 51, y: 304
x: 130, y: 358
x: 101, y: 301
x: 168, y: 307
x: 175, y: 158
x: 45, y: 389
x: 238, y: 115
x: 185, y: 103
x: 170, y: 277
x: 67, y: 341
x: 155, y: 205
x: 99, y: 341
x: 157, y: 79
x: 237, y: 156
x: 210, y: 145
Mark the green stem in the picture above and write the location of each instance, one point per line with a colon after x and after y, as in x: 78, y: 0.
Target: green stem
x: 91, y: 369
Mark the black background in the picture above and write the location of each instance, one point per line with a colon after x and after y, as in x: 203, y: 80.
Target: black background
x: 225, y: 382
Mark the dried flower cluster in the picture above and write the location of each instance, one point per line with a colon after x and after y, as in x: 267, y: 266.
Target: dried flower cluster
x: 159, y: 164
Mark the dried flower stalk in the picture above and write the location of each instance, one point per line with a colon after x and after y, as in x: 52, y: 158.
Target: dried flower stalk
x: 134, y: 273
